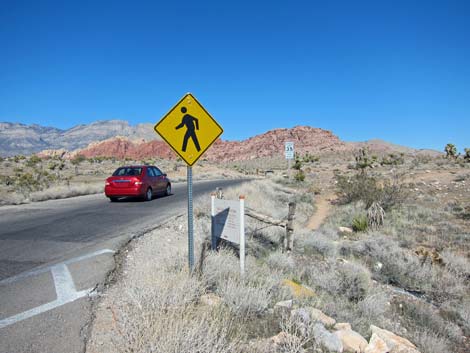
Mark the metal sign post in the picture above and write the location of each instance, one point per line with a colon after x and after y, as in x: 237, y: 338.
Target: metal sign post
x: 190, y: 219
x: 189, y: 130
x: 289, y: 153
x: 242, y: 235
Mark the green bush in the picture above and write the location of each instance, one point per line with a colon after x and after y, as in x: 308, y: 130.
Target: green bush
x: 33, y: 160
x: 300, y: 175
x: 297, y: 164
x: 359, y: 224
x: 393, y: 159
x: 369, y: 189
x: 79, y: 158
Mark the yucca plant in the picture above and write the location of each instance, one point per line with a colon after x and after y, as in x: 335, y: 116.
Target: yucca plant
x: 359, y: 224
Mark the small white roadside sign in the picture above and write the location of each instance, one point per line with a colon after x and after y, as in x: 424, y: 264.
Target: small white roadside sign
x: 228, y: 223
x: 289, y: 150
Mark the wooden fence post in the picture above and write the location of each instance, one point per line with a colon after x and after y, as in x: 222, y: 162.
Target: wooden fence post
x: 289, y: 239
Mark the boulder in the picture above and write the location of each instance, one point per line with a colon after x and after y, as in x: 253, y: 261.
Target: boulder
x: 395, y: 343
x: 342, y: 326
x: 326, y: 339
x: 345, y: 230
x: 319, y: 316
x: 352, y: 341
x: 298, y: 290
x: 283, y: 307
x: 210, y: 299
x: 376, y: 345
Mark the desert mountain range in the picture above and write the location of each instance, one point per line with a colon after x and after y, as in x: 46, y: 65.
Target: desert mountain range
x: 116, y: 138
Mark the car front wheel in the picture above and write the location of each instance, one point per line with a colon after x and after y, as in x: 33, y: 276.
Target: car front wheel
x: 168, y: 190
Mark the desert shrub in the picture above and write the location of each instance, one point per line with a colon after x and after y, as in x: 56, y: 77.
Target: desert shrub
x: 79, y: 158
x: 369, y: 189
x: 360, y: 223
x: 450, y: 150
x: 280, y: 261
x: 423, y: 315
x: 62, y: 191
x: 319, y: 242
x: 33, y: 160
x: 310, y: 158
x: 393, y: 159
x: 19, y: 158
x: 297, y: 164
x: 248, y: 295
x: 429, y: 342
x: 354, y: 281
x: 159, y: 313
x: 457, y: 264
x: 300, y: 175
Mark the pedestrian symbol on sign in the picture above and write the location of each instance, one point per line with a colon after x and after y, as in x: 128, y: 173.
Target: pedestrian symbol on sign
x: 189, y: 121
x: 189, y: 129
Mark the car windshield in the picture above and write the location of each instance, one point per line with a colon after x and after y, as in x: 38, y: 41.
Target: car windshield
x: 127, y: 171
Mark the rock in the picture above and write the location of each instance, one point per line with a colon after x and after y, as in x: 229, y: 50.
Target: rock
x: 378, y: 266
x: 318, y: 315
x: 395, y: 343
x: 326, y: 339
x: 286, y: 304
x: 210, y: 299
x: 376, y: 345
x: 345, y: 230
x: 352, y: 341
x: 298, y: 290
x: 342, y: 326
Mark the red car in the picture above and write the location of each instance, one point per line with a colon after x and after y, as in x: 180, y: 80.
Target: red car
x: 137, y: 181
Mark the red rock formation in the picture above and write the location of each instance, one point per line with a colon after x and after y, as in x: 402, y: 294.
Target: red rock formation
x: 269, y: 144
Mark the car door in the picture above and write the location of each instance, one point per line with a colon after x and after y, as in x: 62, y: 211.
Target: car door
x: 152, y: 180
x: 161, y: 184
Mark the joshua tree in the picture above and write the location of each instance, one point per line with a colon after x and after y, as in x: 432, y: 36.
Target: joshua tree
x: 466, y: 157
x: 451, y: 151
x: 364, y: 160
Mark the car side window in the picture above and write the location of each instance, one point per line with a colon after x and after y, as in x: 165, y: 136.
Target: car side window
x: 150, y: 172
x: 157, y: 171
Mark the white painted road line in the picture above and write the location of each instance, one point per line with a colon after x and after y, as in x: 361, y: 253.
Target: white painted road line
x: 43, y: 308
x: 48, y: 268
x: 64, y: 288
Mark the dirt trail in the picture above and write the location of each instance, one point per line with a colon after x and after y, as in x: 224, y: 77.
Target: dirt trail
x: 324, y: 207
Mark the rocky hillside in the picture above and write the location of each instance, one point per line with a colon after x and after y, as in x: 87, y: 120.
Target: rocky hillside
x: 269, y: 144
x: 24, y: 139
x: 116, y: 138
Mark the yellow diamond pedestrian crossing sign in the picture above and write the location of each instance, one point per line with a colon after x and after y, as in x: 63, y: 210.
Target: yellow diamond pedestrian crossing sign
x: 189, y: 129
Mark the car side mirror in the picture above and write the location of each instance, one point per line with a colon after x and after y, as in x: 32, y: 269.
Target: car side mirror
x: 164, y: 174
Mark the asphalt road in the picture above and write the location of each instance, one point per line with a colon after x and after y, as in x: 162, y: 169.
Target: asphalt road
x: 42, y: 233
x: 53, y: 254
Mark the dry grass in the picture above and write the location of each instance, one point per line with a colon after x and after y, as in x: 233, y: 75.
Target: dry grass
x: 361, y: 279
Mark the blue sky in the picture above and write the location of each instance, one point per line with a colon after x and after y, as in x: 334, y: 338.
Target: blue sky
x: 395, y: 70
